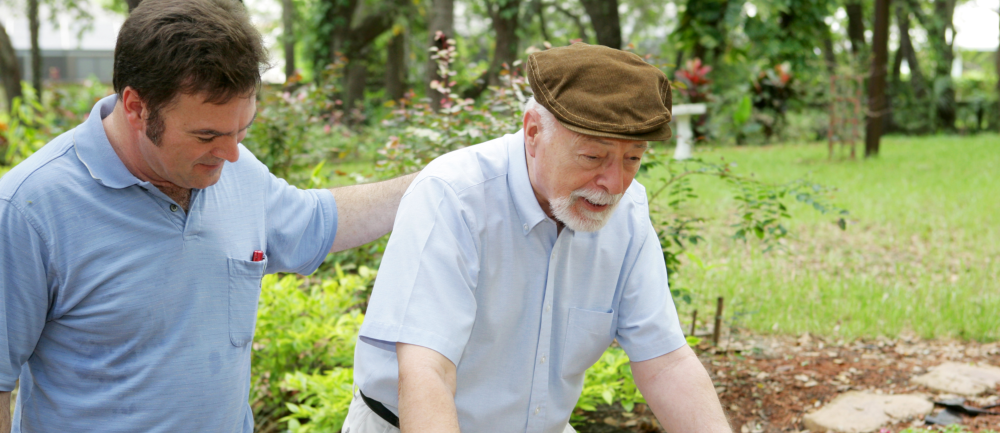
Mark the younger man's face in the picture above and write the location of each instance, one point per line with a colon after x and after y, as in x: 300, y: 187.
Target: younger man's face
x: 197, y: 139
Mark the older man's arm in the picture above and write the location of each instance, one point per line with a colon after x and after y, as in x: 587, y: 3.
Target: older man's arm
x: 678, y: 389
x: 5, y: 412
x: 426, y: 390
x: 366, y: 212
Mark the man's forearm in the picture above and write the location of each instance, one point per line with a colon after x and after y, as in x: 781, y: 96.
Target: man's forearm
x: 366, y: 212
x: 5, y: 412
x: 680, y: 393
x: 426, y: 391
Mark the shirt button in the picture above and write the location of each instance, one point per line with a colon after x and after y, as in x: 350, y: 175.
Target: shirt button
x: 543, y: 359
x: 173, y: 208
x: 548, y: 308
x: 525, y: 226
x: 538, y: 409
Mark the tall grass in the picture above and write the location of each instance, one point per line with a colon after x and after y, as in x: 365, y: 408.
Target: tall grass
x: 921, y: 253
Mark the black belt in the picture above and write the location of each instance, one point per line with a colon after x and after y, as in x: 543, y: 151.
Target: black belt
x: 380, y: 410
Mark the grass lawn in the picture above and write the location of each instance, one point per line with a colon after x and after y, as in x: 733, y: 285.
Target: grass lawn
x: 921, y: 252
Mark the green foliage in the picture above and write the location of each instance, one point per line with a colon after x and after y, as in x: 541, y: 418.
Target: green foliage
x: 423, y: 134
x: 297, y: 128
x: 25, y: 128
x: 608, y: 381
x: 323, y: 400
x: 761, y: 206
x: 303, y: 348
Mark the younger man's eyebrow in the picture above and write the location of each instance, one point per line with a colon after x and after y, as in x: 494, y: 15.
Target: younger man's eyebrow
x: 215, y: 133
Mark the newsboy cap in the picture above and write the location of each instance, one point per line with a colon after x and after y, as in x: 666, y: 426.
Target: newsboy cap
x: 601, y: 91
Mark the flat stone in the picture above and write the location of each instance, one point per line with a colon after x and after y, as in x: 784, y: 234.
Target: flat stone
x: 964, y: 379
x: 862, y: 412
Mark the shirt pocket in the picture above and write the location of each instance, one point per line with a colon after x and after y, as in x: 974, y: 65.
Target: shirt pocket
x: 244, y: 293
x: 588, y: 335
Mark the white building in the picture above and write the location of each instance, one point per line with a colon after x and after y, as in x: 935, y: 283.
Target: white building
x: 67, y: 53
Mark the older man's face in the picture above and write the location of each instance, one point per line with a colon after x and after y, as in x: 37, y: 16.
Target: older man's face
x: 579, y: 179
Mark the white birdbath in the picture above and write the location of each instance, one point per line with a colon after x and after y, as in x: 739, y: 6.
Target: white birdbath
x: 682, y: 121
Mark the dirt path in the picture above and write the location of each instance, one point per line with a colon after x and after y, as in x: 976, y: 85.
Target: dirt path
x: 768, y: 383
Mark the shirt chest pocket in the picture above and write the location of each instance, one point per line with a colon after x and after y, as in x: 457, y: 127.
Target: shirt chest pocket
x: 244, y: 293
x: 588, y: 335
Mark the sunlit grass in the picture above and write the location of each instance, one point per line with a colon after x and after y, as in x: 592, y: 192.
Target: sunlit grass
x: 921, y: 253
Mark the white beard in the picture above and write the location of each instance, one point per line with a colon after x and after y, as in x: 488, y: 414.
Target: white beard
x: 585, y: 220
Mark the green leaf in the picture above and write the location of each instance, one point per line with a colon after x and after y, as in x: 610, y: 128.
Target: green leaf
x: 743, y: 111
x: 608, y: 396
x: 693, y: 341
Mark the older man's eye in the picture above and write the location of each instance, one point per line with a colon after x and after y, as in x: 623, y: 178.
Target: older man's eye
x: 206, y: 140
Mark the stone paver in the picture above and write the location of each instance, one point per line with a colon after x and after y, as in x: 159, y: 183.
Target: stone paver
x: 961, y: 379
x: 862, y: 412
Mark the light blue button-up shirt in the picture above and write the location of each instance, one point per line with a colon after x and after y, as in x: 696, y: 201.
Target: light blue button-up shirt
x: 121, y: 312
x: 476, y: 271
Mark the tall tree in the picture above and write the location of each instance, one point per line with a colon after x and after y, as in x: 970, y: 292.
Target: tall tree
x: 10, y: 70
x: 354, y: 40
x: 607, y: 25
x: 288, y: 36
x: 906, y: 52
x: 442, y: 19
x: 504, y: 14
x: 876, y: 84
x: 856, y: 26
x: 395, y: 67
x: 36, y: 51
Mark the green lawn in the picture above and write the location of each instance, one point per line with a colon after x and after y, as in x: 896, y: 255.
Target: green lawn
x: 921, y: 253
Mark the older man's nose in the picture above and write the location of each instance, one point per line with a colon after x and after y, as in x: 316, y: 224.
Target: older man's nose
x: 612, y: 178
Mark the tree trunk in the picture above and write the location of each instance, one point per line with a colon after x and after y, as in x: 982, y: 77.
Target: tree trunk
x: 856, y: 26
x: 828, y: 53
x: 539, y: 9
x: 917, y: 80
x: 10, y: 70
x: 395, y: 67
x: 604, y: 17
x: 442, y: 19
x: 876, y: 84
x: 288, y: 36
x: 944, y: 12
x: 356, y: 74
x: 504, y: 14
x: 36, y: 51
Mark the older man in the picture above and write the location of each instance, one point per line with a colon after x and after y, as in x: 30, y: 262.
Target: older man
x: 521, y: 260
x: 132, y: 247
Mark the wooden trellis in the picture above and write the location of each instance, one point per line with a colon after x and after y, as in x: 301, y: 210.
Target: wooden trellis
x: 846, y: 113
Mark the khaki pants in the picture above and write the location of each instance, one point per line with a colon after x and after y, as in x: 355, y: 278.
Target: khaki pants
x: 361, y: 419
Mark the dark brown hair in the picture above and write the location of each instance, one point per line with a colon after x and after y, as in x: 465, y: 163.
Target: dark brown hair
x: 171, y: 47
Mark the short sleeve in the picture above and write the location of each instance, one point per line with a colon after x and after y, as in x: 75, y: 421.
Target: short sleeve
x: 301, y: 225
x: 648, y: 326
x: 424, y: 292
x: 24, y: 292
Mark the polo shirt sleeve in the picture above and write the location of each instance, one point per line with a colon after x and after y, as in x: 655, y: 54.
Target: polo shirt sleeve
x: 648, y: 326
x: 424, y: 293
x: 24, y: 292
x: 301, y: 225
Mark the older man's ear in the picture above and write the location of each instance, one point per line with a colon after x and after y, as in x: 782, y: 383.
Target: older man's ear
x: 532, y: 129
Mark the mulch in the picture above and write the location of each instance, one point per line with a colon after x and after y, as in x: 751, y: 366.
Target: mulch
x: 767, y: 383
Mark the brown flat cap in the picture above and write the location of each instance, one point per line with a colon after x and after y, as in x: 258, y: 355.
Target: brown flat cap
x: 601, y: 91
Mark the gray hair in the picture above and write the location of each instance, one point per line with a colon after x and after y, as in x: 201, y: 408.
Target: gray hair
x: 549, y: 122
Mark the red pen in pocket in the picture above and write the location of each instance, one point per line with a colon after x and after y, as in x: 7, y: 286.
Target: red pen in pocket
x: 258, y: 256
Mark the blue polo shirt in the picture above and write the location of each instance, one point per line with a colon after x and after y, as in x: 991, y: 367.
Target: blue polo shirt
x: 477, y: 272
x: 120, y: 312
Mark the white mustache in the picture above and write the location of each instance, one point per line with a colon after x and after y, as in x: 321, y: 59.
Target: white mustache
x: 598, y: 197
